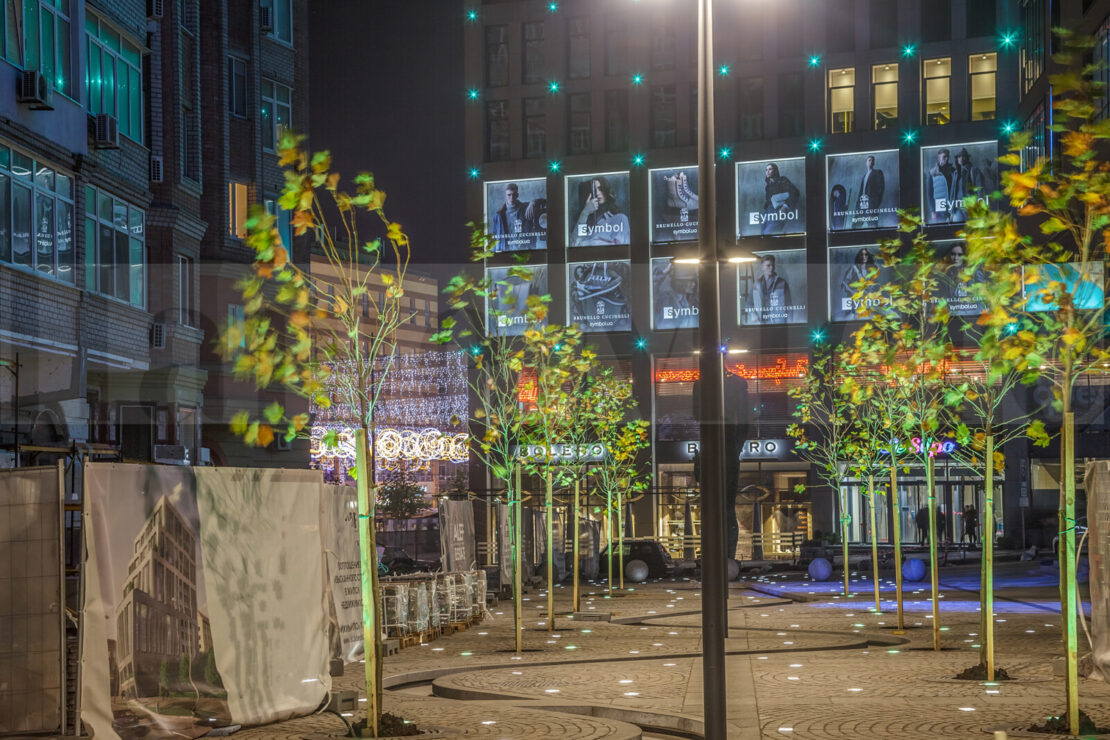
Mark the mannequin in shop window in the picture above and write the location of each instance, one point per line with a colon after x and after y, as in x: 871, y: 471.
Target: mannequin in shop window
x: 737, y: 421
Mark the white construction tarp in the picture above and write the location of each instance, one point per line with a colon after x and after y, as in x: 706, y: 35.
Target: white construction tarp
x: 340, y: 517
x: 31, y: 601
x: 1098, y: 548
x: 204, y: 599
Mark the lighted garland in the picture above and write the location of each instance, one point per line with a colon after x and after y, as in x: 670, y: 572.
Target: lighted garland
x: 391, y: 446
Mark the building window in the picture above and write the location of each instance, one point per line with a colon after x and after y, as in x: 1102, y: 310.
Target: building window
x: 981, y: 18
x: 115, y: 250
x: 533, y: 70
x: 791, y: 104
x: 1101, y: 58
x: 497, y: 131
x: 982, y: 68
x: 237, y: 203
x: 750, y: 35
x: 282, y: 14
x: 936, y: 21
x: 884, y: 94
x: 237, y: 86
x: 36, y: 216
x: 283, y: 222
x: 616, y: 45
x: 46, y: 40
x: 1032, y: 43
x: 662, y: 45
x: 236, y: 319
x: 1035, y: 150
x: 190, y: 90
x: 616, y: 120
x: 277, y: 112
x: 938, y: 78
x: 842, y: 94
x: 884, y: 24
x: 578, y: 49
x: 751, y: 108
x: 497, y: 56
x: 840, y: 25
x: 663, y: 116
x: 114, y: 77
x: 535, y: 128
x: 578, y: 123
x: 186, y: 286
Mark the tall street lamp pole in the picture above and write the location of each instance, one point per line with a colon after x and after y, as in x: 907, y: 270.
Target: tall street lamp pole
x: 714, y: 594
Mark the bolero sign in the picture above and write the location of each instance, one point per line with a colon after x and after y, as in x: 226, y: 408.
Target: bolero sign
x: 754, y: 449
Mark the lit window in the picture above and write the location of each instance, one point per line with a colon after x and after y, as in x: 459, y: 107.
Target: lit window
x: 36, y: 216
x: 277, y: 112
x: 115, y: 248
x: 982, y: 68
x: 884, y: 94
x: 46, y: 37
x: 281, y: 15
x: 842, y: 93
x: 237, y: 209
x: 114, y: 77
x: 938, y: 79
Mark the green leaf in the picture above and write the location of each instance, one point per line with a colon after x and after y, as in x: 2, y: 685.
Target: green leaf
x: 274, y: 412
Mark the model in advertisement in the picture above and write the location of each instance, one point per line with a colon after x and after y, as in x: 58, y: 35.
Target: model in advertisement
x: 600, y: 222
x: 863, y: 263
x: 675, y: 293
x: 516, y: 223
x: 941, y: 187
x: 872, y: 187
x: 598, y: 298
x: 771, y: 295
x: 781, y: 200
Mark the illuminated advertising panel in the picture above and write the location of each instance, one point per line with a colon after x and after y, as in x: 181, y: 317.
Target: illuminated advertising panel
x: 516, y: 214
x: 771, y: 197
x: 597, y: 210
x: 863, y: 190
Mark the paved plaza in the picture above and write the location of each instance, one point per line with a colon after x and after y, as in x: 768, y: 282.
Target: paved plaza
x: 814, y: 665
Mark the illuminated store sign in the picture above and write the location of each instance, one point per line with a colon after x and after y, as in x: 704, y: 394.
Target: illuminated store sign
x: 934, y: 446
x: 754, y: 449
x: 782, y: 368
x: 593, y: 452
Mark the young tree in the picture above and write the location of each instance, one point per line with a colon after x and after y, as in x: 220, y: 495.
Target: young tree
x: 556, y: 358
x: 1047, y: 319
x: 290, y: 312
x: 497, y: 365
x: 824, y: 430
x: 611, y: 410
x: 906, y: 334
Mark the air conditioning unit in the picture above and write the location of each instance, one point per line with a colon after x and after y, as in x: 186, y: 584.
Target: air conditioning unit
x: 105, y: 131
x: 156, y: 168
x: 158, y: 335
x: 155, y: 8
x: 171, y: 454
x: 265, y: 18
x: 281, y: 444
x: 35, y: 90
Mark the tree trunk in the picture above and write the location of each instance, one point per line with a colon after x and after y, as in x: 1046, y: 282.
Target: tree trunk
x: 874, y: 540
x: 986, y: 601
x: 896, y: 507
x: 577, y: 604
x: 1068, y: 563
x: 609, y: 538
x: 549, y: 506
x: 516, y: 504
x: 844, y: 519
x: 934, y: 574
x: 620, y: 537
x: 368, y: 551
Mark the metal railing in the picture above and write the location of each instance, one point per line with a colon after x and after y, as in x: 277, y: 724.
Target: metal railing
x: 773, y: 545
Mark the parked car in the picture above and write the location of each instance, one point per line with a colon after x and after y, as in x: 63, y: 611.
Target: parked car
x: 659, y: 562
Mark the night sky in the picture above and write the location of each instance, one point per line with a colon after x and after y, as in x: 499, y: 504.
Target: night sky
x: 386, y: 95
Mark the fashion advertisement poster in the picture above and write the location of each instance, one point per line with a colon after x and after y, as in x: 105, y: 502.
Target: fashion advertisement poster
x: 953, y: 173
x: 674, y: 294
x: 674, y: 204
x: 1046, y: 284
x: 955, y: 285
x: 848, y: 266
x: 508, y: 302
x: 597, y: 210
x: 772, y: 290
x: 598, y: 295
x: 516, y: 214
x: 771, y: 197
x: 863, y: 190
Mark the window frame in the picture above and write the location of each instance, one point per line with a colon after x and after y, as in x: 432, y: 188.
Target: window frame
x: 104, y: 50
x: 532, y: 53
x: 875, y: 85
x: 663, y: 103
x: 186, y: 291
x: 237, y: 207
x: 578, y: 28
x: 45, y: 189
x: 575, y: 132
x: 94, y: 267
x: 233, y: 63
x: 272, y: 34
x: 503, y: 150
x: 849, y: 122
x: 528, y: 119
x: 971, y: 77
x: 275, y: 103
x: 502, y: 55
x: 62, y: 51
x: 926, y: 65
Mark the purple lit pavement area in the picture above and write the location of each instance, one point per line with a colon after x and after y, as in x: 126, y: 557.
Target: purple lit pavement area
x: 795, y: 668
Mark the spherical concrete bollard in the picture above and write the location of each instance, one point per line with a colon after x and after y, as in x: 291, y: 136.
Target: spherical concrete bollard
x: 636, y: 571
x: 732, y: 569
x: 820, y: 569
x: 913, y: 570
